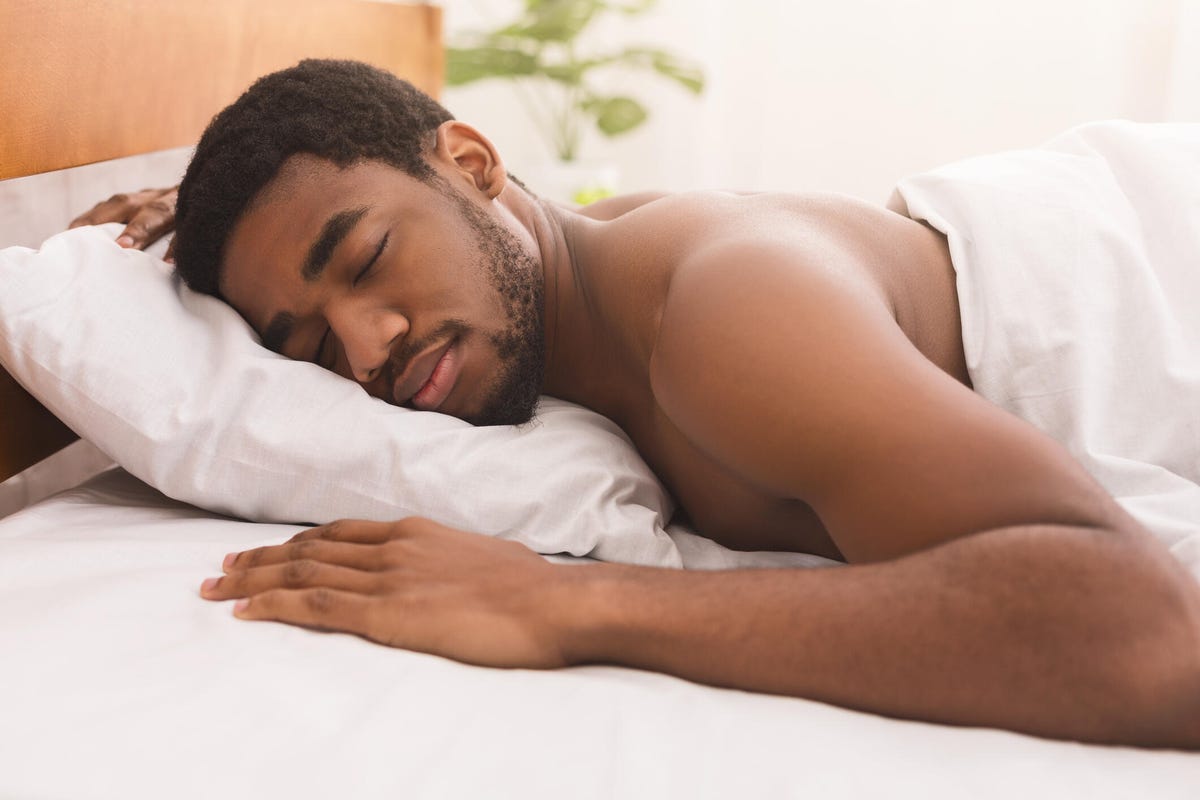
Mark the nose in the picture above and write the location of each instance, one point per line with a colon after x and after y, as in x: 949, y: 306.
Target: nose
x: 367, y: 336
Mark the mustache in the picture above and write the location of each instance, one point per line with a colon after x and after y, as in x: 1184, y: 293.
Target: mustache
x: 409, y: 349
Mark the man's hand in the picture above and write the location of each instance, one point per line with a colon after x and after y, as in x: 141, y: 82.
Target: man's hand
x: 148, y: 215
x: 414, y: 584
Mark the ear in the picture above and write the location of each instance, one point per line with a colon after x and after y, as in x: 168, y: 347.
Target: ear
x: 472, y: 155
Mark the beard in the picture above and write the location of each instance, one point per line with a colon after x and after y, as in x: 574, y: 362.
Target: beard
x: 516, y: 278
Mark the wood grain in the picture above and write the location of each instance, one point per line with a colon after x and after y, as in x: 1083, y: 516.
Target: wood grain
x: 28, y: 432
x: 91, y: 80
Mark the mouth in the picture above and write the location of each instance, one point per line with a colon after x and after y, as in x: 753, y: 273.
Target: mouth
x: 429, y: 378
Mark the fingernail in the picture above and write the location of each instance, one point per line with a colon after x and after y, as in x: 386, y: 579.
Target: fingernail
x: 227, y: 563
x: 125, y: 241
x: 208, y: 585
x: 240, y: 605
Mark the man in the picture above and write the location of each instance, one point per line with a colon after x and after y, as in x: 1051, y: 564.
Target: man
x: 791, y: 366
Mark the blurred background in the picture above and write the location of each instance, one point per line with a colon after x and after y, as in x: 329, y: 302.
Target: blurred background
x: 845, y: 96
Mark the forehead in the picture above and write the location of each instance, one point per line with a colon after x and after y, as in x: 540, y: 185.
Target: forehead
x: 268, y: 244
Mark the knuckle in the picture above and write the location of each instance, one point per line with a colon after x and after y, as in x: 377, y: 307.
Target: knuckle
x: 119, y: 197
x: 319, y: 601
x: 334, y: 530
x: 266, y: 602
x: 298, y: 573
x: 253, y: 557
x: 160, y: 206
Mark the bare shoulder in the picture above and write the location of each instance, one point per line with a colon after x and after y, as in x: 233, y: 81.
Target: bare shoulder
x: 612, y: 207
x: 778, y: 356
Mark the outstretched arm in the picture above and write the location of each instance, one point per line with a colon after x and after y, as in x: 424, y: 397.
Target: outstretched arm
x: 1057, y: 631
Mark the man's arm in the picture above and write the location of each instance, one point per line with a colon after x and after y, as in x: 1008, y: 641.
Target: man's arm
x: 1014, y: 590
x: 1050, y: 630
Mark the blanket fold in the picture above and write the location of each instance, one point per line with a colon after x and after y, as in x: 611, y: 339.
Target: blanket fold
x: 1078, y: 275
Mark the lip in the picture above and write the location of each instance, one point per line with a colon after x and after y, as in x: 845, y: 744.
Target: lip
x: 412, y: 384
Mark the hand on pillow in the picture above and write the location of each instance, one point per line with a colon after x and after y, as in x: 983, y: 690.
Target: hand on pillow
x: 147, y: 215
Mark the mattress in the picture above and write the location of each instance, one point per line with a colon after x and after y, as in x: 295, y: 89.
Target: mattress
x: 118, y: 681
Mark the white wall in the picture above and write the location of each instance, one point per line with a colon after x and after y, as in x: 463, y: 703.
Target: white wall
x: 850, y: 95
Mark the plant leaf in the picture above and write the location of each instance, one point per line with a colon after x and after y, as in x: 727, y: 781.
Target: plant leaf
x: 632, y: 7
x: 616, y: 115
x: 688, y: 74
x: 571, y: 74
x: 469, y: 64
x: 553, y: 20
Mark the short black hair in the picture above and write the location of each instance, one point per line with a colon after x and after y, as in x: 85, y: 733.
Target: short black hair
x: 342, y: 111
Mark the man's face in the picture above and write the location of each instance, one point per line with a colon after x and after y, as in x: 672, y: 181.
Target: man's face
x: 408, y: 288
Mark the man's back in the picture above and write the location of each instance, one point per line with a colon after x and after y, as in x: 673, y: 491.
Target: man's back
x: 727, y: 307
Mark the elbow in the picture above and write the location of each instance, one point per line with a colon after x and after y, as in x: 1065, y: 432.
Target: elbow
x: 1161, y: 659
x: 1168, y: 687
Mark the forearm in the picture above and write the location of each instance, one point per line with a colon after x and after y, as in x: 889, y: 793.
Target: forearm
x: 1056, y: 631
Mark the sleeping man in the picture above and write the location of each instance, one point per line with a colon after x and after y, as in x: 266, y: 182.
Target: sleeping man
x: 792, y: 366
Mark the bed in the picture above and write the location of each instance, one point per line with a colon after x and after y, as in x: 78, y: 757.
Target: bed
x: 118, y: 680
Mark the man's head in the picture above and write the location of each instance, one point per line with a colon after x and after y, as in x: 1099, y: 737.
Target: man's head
x: 349, y: 219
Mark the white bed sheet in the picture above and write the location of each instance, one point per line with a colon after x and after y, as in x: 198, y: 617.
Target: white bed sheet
x: 117, y: 680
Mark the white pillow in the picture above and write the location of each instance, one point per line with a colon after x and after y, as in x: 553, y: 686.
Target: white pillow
x: 175, y: 387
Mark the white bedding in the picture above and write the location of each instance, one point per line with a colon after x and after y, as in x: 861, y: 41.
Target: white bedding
x: 117, y: 680
x: 1078, y: 275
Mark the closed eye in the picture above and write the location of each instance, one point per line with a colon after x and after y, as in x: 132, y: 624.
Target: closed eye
x: 321, y: 349
x: 362, y: 273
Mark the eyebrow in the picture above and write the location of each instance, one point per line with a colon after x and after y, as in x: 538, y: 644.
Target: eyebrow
x: 333, y: 232
x: 335, y: 229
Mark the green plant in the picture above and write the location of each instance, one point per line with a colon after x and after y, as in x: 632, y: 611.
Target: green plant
x: 538, y: 52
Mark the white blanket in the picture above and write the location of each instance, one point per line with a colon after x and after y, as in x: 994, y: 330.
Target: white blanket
x: 1078, y: 274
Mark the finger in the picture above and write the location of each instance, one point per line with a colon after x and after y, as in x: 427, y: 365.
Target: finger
x: 329, y: 609
x: 121, y: 207
x: 151, y: 223
x: 302, y: 574
x: 118, y: 208
x: 349, y: 530
x: 344, y: 554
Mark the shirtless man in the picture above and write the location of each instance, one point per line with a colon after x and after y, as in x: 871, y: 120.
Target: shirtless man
x: 791, y: 366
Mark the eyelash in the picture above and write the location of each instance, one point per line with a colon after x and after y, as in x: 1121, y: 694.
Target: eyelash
x: 362, y: 274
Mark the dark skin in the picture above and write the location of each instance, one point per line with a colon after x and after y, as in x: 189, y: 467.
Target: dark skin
x: 792, y: 367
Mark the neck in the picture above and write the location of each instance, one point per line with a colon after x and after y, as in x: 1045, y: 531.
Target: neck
x: 581, y: 362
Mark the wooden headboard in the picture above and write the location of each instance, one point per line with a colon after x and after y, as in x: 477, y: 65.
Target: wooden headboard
x: 91, y: 80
